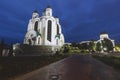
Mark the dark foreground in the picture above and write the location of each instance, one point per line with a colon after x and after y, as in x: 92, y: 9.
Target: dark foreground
x: 74, y: 68
x: 11, y: 67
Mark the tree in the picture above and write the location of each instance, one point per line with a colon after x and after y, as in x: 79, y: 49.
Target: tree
x: 74, y: 44
x: 2, y: 45
x: 84, y: 47
x: 98, y: 46
x: 91, y: 46
x: 66, y: 48
x: 11, y: 50
x: 106, y: 43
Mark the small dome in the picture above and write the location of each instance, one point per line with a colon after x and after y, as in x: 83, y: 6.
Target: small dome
x: 47, y: 8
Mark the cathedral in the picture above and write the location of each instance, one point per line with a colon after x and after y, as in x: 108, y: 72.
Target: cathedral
x: 43, y: 37
x: 44, y: 30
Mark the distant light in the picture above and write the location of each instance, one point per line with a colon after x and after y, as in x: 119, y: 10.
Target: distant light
x: 14, y: 47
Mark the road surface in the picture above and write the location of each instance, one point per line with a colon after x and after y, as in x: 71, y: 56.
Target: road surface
x: 73, y: 68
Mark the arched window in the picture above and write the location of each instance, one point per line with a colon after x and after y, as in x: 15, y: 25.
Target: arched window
x: 57, y: 29
x: 36, y: 26
x: 49, y: 30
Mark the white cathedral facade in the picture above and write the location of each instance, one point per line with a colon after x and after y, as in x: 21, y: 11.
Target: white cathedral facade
x: 44, y: 30
x: 44, y: 36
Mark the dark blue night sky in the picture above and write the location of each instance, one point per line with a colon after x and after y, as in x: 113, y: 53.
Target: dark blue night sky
x: 80, y: 19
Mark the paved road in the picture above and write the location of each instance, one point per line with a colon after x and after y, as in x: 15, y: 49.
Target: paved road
x: 74, y: 68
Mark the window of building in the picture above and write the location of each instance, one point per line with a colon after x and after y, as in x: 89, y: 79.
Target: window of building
x: 57, y: 29
x: 36, y: 26
x: 49, y: 30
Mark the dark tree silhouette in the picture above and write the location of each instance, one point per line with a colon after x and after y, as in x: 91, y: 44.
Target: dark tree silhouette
x: 2, y: 45
x: 84, y: 46
x: 11, y: 50
x: 66, y: 48
x: 106, y: 43
x: 98, y: 47
x: 91, y: 46
x: 74, y: 44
